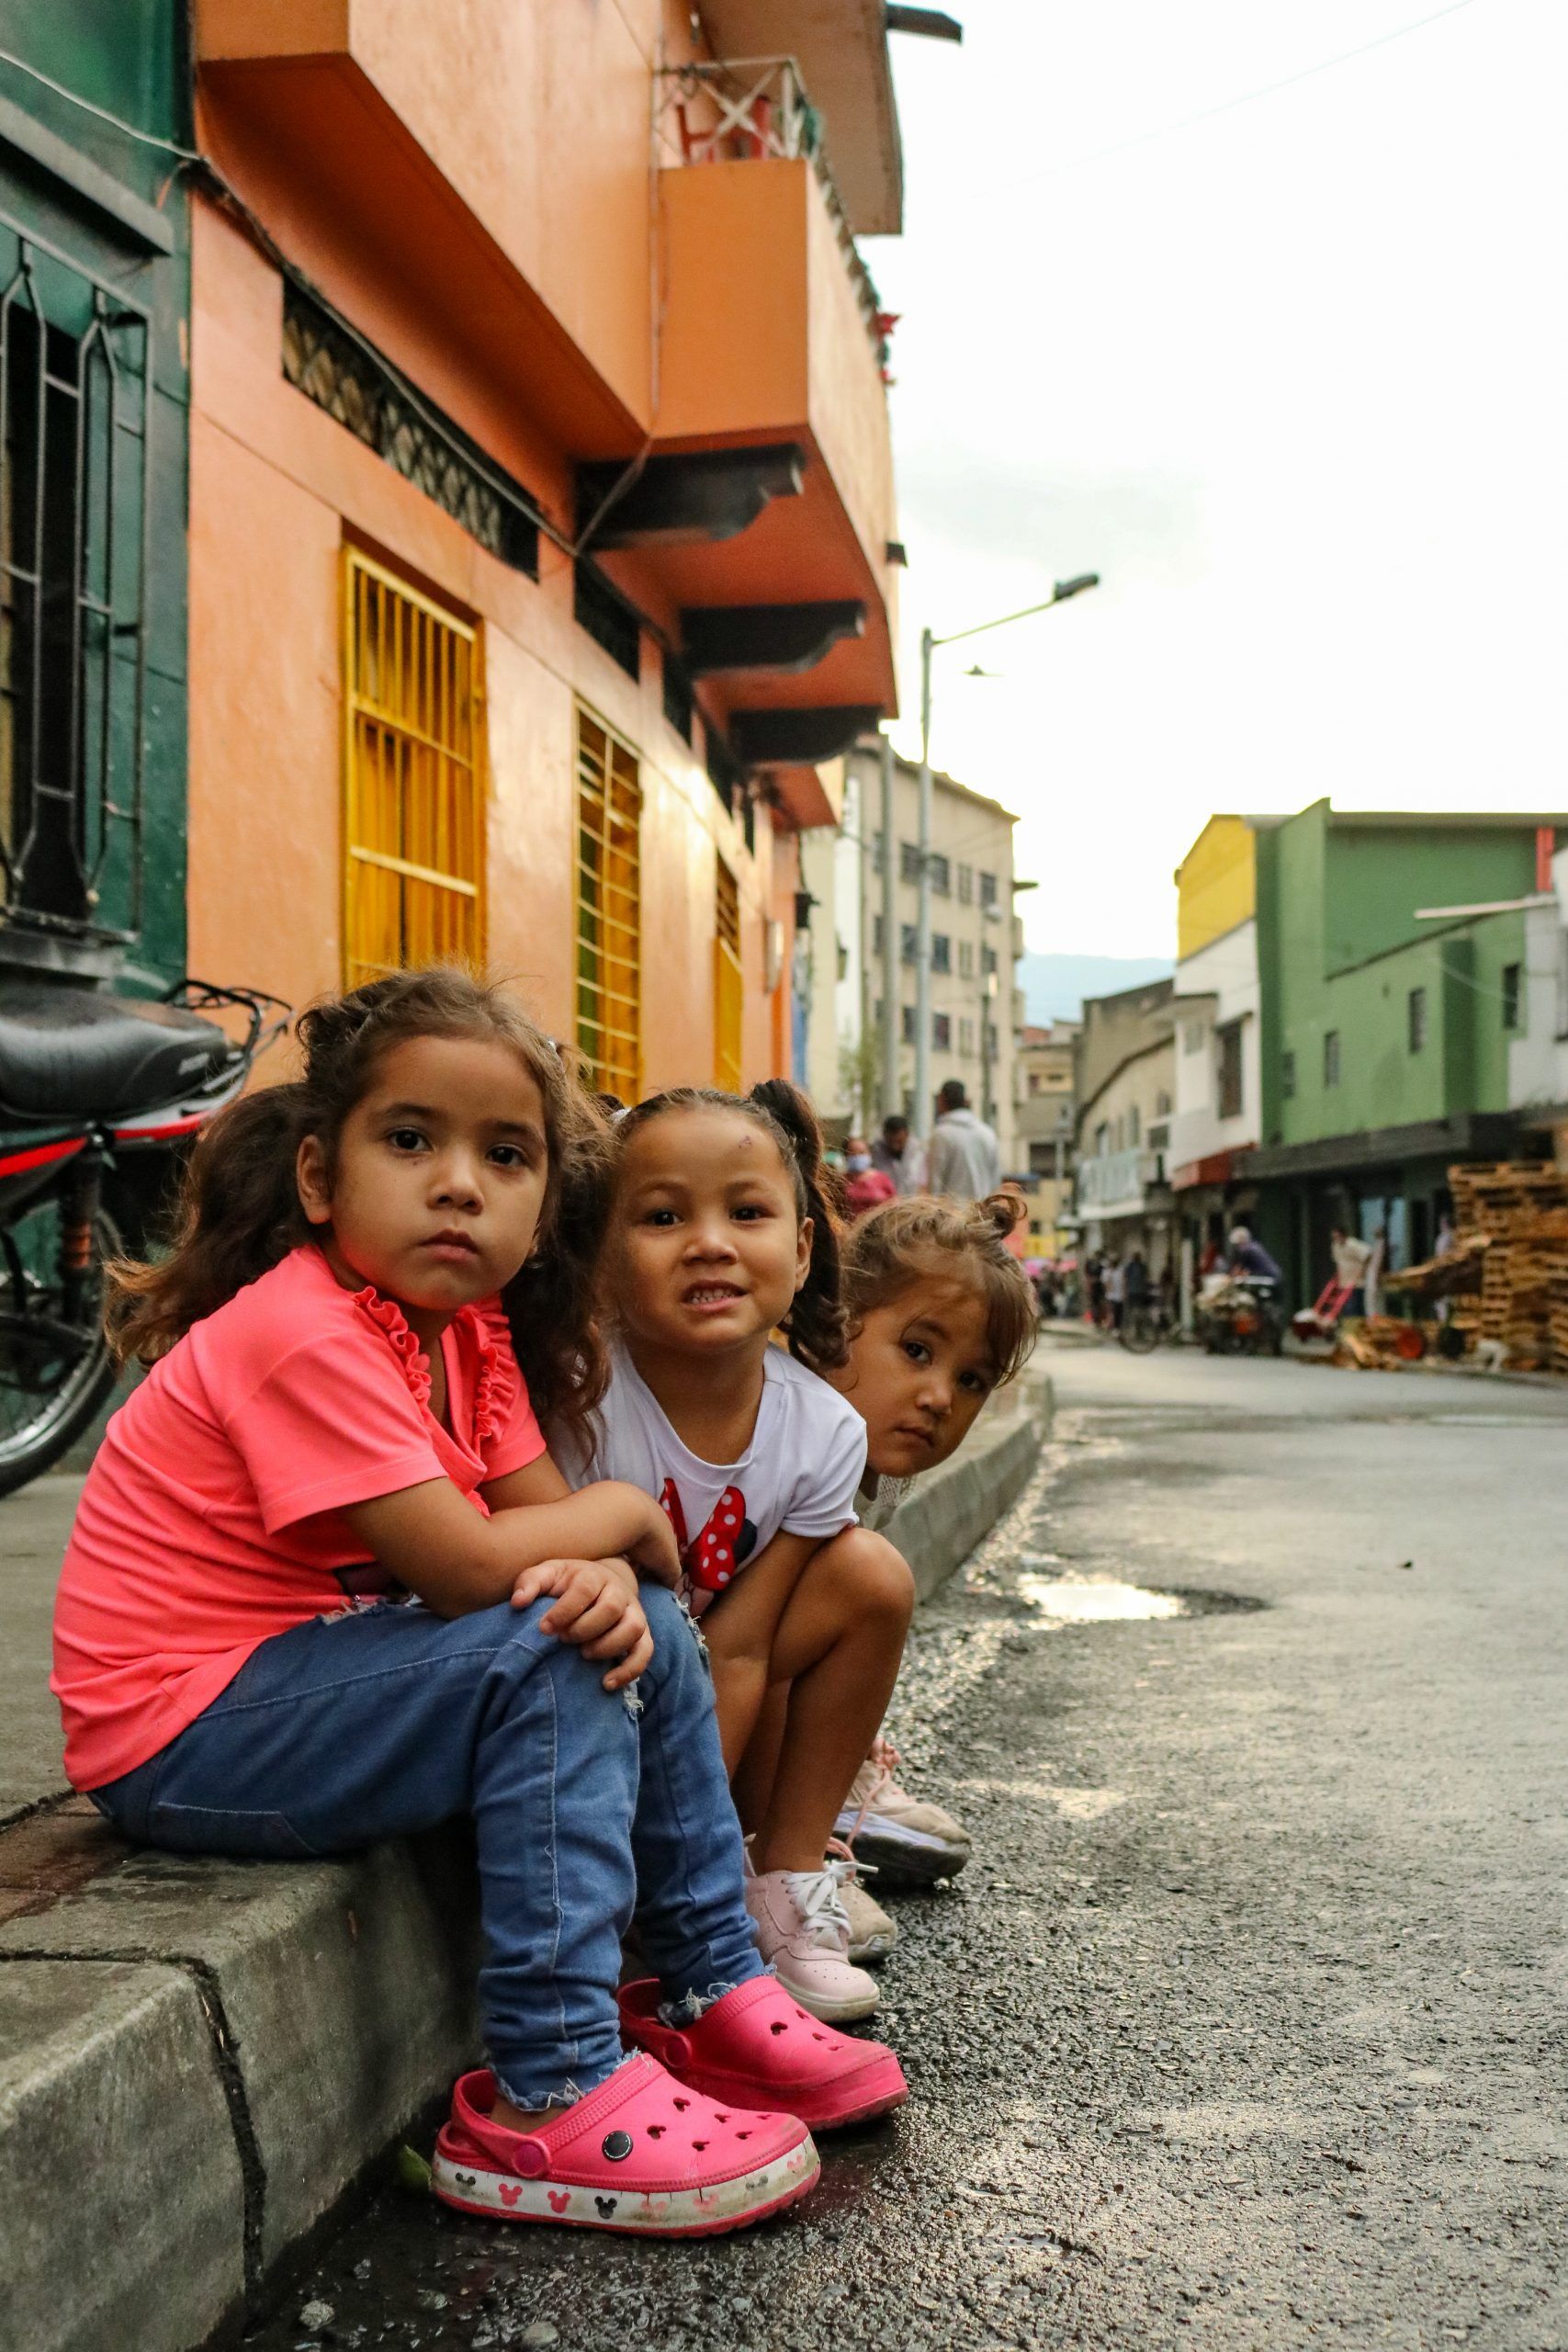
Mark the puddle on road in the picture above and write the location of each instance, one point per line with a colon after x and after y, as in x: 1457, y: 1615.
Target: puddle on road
x: 1092, y: 1601
x: 1063, y: 1596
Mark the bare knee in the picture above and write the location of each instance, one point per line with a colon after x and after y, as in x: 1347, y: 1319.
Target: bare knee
x: 864, y: 1568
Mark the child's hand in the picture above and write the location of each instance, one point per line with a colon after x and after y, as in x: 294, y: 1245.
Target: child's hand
x: 596, y: 1608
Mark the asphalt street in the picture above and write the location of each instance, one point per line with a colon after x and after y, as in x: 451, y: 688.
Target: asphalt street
x: 1246, y: 2025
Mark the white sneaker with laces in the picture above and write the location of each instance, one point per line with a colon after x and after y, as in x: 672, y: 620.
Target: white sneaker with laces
x: 909, y: 1842
x: 803, y: 1932
x: 872, y: 1933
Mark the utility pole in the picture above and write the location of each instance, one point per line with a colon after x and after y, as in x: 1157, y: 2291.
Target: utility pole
x: 1059, y: 595
x: 989, y: 987
x: 892, y: 1092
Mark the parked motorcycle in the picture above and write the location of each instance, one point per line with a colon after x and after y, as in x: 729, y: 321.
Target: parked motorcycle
x: 100, y: 1094
x: 1240, y: 1317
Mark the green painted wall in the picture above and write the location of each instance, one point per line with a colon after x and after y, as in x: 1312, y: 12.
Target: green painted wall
x: 129, y: 57
x: 1339, y: 950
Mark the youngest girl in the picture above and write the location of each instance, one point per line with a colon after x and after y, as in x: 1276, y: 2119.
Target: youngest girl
x: 336, y: 1418
x: 941, y: 1315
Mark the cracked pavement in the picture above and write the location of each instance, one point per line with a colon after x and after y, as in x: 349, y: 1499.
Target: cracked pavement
x: 1244, y: 2026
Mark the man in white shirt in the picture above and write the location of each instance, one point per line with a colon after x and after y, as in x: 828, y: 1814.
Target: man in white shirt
x: 964, y: 1159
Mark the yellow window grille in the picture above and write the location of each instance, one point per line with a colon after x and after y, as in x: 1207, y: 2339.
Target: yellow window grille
x: 609, y: 910
x: 414, y: 865
x: 729, y: 993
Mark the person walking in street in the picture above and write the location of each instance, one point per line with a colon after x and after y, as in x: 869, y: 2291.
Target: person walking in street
x: 865, y: 1186
x: 964, y: 1162
x: 382, y: 1277
x: 1115, y: 1292
x: 898, y: 1156
x: 1352, y: 1256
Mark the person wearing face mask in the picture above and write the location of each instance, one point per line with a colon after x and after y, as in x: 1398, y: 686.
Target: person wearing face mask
x: 865, y: 1187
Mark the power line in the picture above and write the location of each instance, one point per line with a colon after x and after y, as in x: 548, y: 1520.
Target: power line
x: 1243, y: 98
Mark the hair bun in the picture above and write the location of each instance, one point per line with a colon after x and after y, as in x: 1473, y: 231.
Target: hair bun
x: 1003, y: 1212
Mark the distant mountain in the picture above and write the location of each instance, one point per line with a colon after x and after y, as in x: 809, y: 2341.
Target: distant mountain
x: 1056, y: 986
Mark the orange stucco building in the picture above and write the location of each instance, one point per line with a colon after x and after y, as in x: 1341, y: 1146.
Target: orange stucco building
x: 541, y: 499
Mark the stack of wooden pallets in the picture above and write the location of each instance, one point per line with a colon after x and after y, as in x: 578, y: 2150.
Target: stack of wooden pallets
x: 1518, y: 1210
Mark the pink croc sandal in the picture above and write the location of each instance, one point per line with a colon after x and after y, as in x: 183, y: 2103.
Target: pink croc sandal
x: 641, y: 2153
x: 759, y: 2048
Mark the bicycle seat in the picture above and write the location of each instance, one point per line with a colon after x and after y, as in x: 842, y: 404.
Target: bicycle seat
x: 74, y: 1051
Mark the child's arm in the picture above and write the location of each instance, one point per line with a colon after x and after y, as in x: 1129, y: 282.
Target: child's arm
x: 434, y: 1542
x: 739, y: 1629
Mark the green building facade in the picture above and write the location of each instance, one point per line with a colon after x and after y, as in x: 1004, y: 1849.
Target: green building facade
x: 1386, y: 1039
x: 94, y: 276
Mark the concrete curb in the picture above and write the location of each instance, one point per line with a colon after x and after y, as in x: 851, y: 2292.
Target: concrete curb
x: 938, y: 1525
x: 198, y: 2058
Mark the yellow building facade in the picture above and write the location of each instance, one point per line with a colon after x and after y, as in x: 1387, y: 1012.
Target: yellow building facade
x: 1216, y: 884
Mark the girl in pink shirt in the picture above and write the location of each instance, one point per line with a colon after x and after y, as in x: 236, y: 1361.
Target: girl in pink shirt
x: 326, y: 1586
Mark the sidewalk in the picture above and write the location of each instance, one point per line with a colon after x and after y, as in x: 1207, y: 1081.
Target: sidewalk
x: 198, y: 2058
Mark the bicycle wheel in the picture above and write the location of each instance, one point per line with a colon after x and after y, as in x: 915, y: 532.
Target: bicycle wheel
x: 54, y: 1376
x: 1140, y: 1329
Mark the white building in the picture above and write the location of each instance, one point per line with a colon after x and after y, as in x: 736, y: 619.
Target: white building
x: 840, y: 1064
x: 1538, y: 1054
x: 977, y: 939
x: 1218, y: 1117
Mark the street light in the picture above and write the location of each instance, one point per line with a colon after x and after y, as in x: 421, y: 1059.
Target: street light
x: 1064, y: 589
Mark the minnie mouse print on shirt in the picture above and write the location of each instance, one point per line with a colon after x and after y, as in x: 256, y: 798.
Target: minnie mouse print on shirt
x: 798, y: 1475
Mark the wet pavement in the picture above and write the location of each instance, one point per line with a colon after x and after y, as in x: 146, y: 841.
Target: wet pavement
x: 1246, y: 2026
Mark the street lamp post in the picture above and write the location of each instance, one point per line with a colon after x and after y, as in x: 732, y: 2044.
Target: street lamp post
x: 928, y: 644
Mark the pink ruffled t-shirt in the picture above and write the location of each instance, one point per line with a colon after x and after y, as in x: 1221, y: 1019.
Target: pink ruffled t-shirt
x: 212, y: 1516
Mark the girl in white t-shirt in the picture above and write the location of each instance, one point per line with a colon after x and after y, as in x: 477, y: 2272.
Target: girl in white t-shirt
x: 720, y: 1235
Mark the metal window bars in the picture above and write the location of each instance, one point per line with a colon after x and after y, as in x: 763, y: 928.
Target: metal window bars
x: 746, y: 109
x: 609, y: 910
x: 76, y: 451
x: 728, y: 984
x: 414, y: 814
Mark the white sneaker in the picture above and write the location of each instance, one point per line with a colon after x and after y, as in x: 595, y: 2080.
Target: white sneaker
x: 911, y: 1843
x: 872, y: 1933
x: 803, y: 1932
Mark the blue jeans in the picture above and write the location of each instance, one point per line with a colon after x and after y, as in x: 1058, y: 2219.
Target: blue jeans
x: 586, y: 1805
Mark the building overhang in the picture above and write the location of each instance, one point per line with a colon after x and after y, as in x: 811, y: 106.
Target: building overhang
x: 286, y: 103
x: 796, y: 738
x: 1473, y: 1135
x: 1215, y: 1168
x: 782, y: 638
x: 687, y: 499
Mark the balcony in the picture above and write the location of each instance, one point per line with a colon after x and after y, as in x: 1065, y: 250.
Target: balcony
x: 772, y: 347
x: 1119, y: 1184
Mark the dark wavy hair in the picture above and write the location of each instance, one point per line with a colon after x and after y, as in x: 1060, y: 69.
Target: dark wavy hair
x: 240, y: 1212
x: 905, y: 1246
x: 816, y: 1325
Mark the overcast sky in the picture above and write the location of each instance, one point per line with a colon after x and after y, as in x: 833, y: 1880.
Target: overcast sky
x: 1285, y: 377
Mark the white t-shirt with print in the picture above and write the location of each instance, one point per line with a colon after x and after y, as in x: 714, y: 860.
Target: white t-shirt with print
x: 798, y: 1475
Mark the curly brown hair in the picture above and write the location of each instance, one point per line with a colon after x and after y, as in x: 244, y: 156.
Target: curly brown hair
x: 816, y: 1325
x: 907, y: 1244
x: 240, y: 1212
